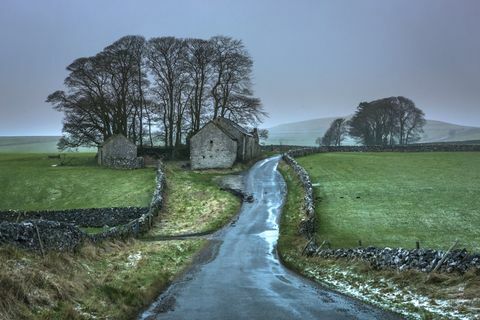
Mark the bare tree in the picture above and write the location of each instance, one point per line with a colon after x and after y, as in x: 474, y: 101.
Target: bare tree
x: 231, y: 89
x: 166, y: 60
x: 410, y: 120
x: 86, y: 103
x: 199, y: 69
x: 101, y: 94
x: 123, y: 62
x: 335, y: 134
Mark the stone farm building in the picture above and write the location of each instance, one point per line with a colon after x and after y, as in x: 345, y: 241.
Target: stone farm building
x: 119, y: 152
x: 222, y: 142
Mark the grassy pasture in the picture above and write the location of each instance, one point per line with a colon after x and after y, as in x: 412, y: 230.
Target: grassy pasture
x: 116, y: 279
x: 394, y: 199
x: 31, y: 182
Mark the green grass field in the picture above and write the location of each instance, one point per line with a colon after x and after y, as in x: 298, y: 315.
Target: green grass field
x: 32, y: 182
x: 389, y: 289
x: 395, y: 199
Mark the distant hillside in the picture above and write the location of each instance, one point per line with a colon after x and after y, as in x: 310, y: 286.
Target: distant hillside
x: 47, y: 144
x: 306, y: 132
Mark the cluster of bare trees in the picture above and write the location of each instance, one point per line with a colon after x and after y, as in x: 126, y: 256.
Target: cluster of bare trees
x: 388, y: 121
x: 163, y: 89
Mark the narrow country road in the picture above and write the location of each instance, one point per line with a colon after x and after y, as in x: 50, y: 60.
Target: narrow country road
x: 244, y: 278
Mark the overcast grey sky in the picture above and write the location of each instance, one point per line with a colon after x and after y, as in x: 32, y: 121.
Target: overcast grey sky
x: 312, y: 59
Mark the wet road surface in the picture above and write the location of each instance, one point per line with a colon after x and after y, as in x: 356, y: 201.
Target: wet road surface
x: 244, y: 279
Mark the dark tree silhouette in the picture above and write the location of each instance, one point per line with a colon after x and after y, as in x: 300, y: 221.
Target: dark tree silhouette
x: 194, y: 81
x: 388, y: 121
x: 335, y: 134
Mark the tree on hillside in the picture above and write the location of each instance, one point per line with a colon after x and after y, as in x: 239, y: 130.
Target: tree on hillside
x: 410, y: 121
x: 387, y: 121
x: 335, y: 134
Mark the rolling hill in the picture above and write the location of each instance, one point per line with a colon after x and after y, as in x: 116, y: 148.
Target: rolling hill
x: 306, y: 132
x: 35, y: 144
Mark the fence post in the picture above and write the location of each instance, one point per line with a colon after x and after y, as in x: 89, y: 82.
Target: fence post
x: 39, y: 239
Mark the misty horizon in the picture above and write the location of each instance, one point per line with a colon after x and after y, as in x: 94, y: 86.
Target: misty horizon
x: 311, y: 59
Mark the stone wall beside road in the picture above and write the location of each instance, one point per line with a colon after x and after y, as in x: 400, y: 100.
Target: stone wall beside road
x: 398, y: 258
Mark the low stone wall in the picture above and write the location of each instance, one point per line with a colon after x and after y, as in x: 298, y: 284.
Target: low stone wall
x: 401, y: 259
x: 123, y: 163
x: 42, y: 235
x: 94, y: 217
x: 61, y: 236
x: 299, y: 152
x: 307, y: 225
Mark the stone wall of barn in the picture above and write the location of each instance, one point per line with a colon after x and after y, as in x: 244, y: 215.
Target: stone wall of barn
x: 212, y: 148
x: 119, y: 153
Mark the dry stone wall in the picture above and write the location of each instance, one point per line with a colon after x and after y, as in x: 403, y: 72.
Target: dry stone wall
x: 63, y: 234
x: 401, y: 259
x: 124, y: 163
x: 93, y: 217
x: 307, y: 225
x: 299, y: 152
x: 142, y: 223
x: 42, y: 235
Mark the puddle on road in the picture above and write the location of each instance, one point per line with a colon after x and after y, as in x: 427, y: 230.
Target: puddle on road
x: 271, y: 234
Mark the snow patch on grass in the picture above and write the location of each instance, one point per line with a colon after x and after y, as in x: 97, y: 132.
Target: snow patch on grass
x: 133, y: 259
x: 388, y: 295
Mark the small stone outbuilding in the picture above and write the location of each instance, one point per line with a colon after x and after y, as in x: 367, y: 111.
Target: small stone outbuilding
x: 120, y: 153
x: 222, y: 142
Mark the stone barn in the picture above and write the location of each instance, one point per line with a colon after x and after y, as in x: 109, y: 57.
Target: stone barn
x: 120, y: 153
x: 222, y: 142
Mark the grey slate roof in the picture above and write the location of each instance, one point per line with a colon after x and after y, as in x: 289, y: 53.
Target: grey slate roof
x: 232, y: 124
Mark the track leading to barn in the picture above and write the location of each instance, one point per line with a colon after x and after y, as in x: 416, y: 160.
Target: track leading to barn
x: 244, y: 279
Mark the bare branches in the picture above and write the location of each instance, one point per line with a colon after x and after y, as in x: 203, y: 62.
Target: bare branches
x: 335, y: 134
x: 192, y: 82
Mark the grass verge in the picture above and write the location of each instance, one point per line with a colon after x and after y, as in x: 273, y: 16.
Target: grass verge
x: 113, y: 280
x: 195, y: 203
x: 413, y: 294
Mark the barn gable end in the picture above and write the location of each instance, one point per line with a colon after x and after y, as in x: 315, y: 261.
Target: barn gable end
x: 220, y: 143
x: 119, y: 152
x: 212, y: 147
